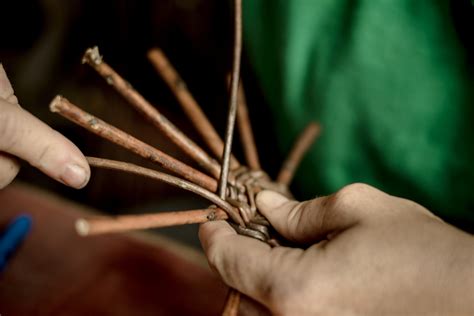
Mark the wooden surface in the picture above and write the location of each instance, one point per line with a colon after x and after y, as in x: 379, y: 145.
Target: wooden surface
x: 56, y: 272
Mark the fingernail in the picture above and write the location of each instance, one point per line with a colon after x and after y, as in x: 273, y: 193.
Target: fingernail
x: 268, y: 200
x: 75, y: 176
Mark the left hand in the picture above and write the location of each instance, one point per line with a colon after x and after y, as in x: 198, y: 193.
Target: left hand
x: 24, y: 136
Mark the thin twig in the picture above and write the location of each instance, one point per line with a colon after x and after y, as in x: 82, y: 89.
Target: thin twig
x: 95, y: 60
x: 119, y: 137
x: 169, y: 179
x: 233, y: 300
x: 301, y: 146
x: 234, y: 85
x: 188, y: 103
x: 246, y: 133
x: 231, y: 307
x: 102, y: 225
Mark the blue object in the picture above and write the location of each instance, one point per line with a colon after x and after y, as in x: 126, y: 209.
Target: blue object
x: 13, y: 236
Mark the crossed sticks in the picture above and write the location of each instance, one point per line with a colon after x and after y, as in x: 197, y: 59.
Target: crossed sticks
x: 197, y: 181
x: 228, y: 185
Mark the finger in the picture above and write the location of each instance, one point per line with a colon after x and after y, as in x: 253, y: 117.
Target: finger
x: 26, y: 137
x: 9, y: 168
x: 313, y: 220
x: 6, y: 89
x: 246, y: 264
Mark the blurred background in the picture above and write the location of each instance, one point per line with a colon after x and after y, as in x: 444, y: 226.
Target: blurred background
x: 41, y: 49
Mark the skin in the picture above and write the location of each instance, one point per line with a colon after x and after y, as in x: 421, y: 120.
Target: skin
x: 360, y: 252
x: 23, y: 136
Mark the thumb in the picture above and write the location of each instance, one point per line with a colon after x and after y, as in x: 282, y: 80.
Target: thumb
x: 309, y: 221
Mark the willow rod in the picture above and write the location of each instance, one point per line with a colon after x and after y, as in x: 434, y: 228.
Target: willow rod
x: 93, y: 124
x: 95, y: 60
x: 234, y: 85
x: 231, y: 307
x: 246, y: 133
x: 300, y: 147
x: 103, y: 225
x: 189, y: 105
x: 169, y: 179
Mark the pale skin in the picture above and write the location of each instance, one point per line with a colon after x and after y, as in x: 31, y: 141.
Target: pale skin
x: 23, y: 136
x: 362, y: 252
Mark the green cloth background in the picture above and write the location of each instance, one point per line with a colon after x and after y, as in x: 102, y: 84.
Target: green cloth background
x: 391, y: 85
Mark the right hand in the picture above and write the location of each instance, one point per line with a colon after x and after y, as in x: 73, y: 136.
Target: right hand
x: 24, y: 136
x: 362, y: 252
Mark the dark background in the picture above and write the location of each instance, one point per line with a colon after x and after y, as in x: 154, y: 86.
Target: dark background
x: 41, y: 47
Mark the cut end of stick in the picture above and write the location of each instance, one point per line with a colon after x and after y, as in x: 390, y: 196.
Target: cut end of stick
x: 92, y: 56
x: 157, y: 56
x: 82, y: 227
x: 55, y: 104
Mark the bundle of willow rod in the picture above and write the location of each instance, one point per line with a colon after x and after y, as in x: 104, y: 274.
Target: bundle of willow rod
x: 211, y: 185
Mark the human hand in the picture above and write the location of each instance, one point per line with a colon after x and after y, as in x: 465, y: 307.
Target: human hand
x: 24, y: 136
x: 363, y: 252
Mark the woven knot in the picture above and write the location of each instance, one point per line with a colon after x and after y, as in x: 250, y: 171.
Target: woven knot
x: 242, y: 190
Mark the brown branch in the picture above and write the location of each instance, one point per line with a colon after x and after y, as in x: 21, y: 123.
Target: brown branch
x: 246, y: 133
x: 231, y: 307
x: 234, y: 85
x: 188, y: 103
x: 301, y: 146
x: 93, y: 124
x: 169, y: 179
x: 95, y: 226
x: 93, y: 58
x: 233, y: 300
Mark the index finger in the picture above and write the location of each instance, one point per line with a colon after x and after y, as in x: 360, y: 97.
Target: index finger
x: 25, y: 136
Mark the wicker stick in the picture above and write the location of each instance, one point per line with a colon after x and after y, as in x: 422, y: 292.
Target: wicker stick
x: 93, y: 58
x: 246, y: 133
x: 188, y: 103
x: 71, y: 112
x: 169, y: 179
x: 234, y: 86
x: 231, y: 307
x: 301, y: 146
x: 103, y: 225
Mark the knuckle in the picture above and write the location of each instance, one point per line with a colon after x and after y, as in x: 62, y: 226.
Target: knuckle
x: 44, y: 155
x: 295, y: 219
x: 350, y: 195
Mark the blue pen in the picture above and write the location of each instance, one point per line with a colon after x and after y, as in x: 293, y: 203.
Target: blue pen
x: 13, y: 236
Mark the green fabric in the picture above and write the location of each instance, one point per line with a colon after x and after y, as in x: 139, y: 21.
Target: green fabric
x: 391, y: 85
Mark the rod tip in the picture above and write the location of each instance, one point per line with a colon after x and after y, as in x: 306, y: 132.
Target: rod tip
x: 92, y: 56
x: 55, y: 104
x: 82, y: 227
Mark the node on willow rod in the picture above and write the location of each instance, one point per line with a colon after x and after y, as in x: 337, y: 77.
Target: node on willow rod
x: 230, y: 187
